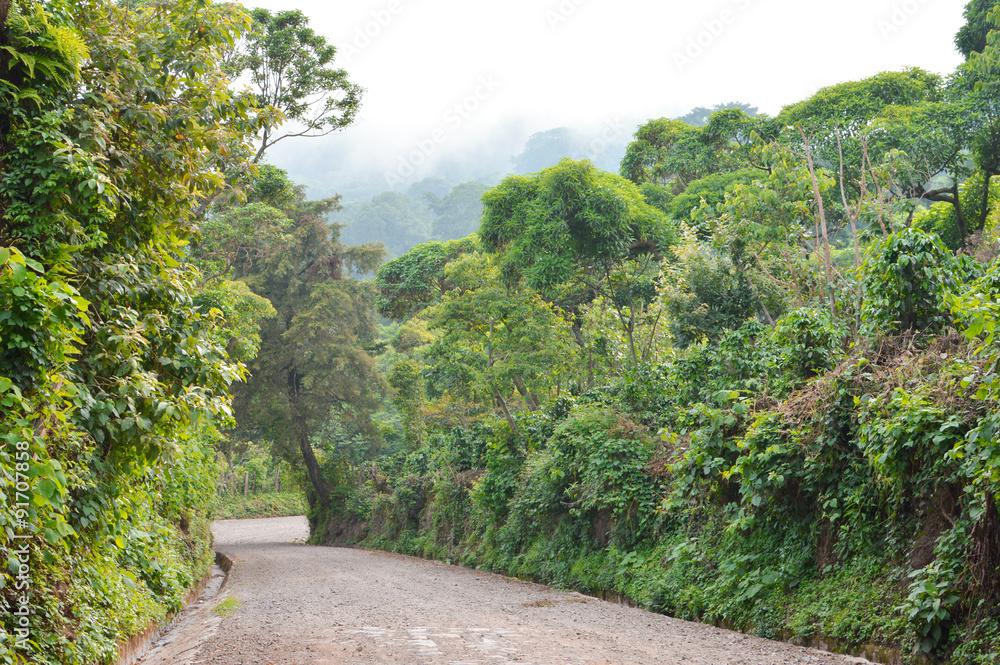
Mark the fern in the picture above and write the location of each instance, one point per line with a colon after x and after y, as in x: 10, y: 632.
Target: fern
x: 39, y: 50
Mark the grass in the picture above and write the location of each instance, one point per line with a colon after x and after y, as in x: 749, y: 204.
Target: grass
x: 273, y: 504
x: 227, y: 607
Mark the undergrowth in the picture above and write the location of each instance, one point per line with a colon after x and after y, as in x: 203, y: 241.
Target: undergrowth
x: 270, y: 504
x: 846, y: 498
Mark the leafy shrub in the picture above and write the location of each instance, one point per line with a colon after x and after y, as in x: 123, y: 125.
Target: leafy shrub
x: 272, y: 504
x: 810, y: 341
x: 906, y: 278
x: 932, y: 597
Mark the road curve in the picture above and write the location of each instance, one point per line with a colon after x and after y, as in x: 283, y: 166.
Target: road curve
x: 303, y: 605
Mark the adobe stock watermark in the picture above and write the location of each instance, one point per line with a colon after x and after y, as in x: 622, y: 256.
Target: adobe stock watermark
x: 711, y: 31
x: 613, y: 129
x: 901, y: 14
x: 21, y: 603
x: 453, y: 118
x: 562, y: 12
x: 366, y: 34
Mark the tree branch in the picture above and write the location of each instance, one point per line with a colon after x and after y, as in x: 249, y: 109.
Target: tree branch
x: 853, y: 216
x: 944, y: 194
x: 828, y: 263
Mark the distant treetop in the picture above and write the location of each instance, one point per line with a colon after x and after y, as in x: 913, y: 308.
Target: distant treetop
x: 699, y: 115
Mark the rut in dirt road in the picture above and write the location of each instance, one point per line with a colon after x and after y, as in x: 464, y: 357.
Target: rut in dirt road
x: 306, y: 605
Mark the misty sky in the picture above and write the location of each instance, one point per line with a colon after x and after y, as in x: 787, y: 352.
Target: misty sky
x: 448, y: 77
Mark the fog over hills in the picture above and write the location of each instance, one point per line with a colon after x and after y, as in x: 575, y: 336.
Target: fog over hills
x: 341, y: 164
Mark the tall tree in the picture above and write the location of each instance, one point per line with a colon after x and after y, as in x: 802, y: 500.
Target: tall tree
x: 313, y: 364
x: 699, y: 115
x: 574, y: 233
x: 675, y: 154
x: 972, y: 37
x: 417, y: 279
x: 506, y: 341
x: 934, y: 137
x: 667, y: 152
x: 293, y: 77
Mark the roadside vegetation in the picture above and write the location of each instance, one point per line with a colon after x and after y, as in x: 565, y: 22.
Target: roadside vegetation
x: 265, y: 504
x: 750, y: 379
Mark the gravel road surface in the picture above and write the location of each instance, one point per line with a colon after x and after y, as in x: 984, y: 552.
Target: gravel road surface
x: 302, y: 605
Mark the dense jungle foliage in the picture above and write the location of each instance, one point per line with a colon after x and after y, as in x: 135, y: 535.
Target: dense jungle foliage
x: 751, y: 379
x: 124, y: 148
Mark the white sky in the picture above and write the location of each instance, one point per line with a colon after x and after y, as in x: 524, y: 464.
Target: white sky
x: 539, y: 64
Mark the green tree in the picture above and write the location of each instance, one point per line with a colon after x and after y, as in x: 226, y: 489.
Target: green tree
x: 934, y: 136
x: 845, y: 110
x: 906, y: 280
x: 574, y: 233
x: 417, y: 279
x: 458, y: 213
x: 851, y: 105
x: 510, y: 341
x: 292, y: 74
x: 671, y: 152
x: 704, y: 294
x: 408, y: 385
x: 667, y: 152
x: 972, y: 37
x: 704, y: 196
x: 770, y: 226
x: 313, y: 364
x: 112, y: 375
x: 699, y: 115
x: 979, y: 80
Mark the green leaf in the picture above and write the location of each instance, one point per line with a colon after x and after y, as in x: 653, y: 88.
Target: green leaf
x: 47, y: 488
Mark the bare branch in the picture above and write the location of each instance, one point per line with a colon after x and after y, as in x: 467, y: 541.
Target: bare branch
x: 828, y: 263
x: 851, y: 214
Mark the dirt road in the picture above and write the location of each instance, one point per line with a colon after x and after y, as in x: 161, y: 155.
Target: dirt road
x: 317, y: 605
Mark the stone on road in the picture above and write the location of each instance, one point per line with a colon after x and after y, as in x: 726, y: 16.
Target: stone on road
x: 304, y: 605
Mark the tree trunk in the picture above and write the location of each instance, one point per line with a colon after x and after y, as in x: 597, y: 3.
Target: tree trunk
x: 246, y: 482
x: 4, y: 11
x: 963, y: 228
x: 530, y: 398
x: 506, y: 411
x: 853, y: 215
x: 277, y: 478
x: 312, y: 464
x: 578, y: 333
x: 827, y: 261
x: 950, y: 195
x: 985, y: 210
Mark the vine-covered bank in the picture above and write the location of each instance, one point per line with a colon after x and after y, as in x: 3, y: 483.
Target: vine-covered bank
x: 783, y: 481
